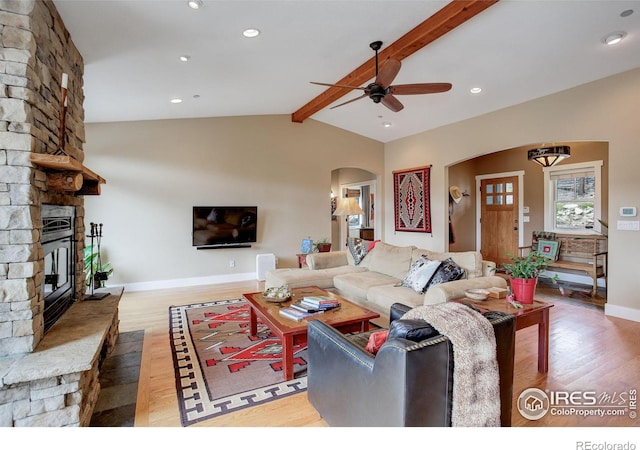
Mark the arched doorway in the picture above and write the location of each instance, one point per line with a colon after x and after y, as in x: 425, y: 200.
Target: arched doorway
x: 364, y: 186
x: 468, y: 176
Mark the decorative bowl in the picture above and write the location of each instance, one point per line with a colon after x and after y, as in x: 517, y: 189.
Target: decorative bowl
x: 476, y: 294
x: 277, y: 294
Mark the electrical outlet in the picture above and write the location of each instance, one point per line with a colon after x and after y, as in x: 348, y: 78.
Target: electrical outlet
x: 232, y: 263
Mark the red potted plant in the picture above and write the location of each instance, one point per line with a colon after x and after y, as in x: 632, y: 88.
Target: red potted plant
x: 524, y: 272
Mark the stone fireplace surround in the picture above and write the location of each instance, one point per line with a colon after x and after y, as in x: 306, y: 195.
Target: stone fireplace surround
x: 45, y: 379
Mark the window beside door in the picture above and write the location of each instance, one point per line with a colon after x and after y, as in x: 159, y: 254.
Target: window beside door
x: 573, y: 197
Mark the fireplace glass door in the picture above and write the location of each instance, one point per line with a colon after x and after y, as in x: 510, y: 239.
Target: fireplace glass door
x: 59, y: 265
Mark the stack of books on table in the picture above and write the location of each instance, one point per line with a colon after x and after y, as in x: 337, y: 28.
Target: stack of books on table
x: 319, y: 302
x: 309, y: 306
x: 296, y: 314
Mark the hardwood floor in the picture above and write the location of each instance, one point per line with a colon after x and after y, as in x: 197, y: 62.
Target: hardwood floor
x: 588, y: 352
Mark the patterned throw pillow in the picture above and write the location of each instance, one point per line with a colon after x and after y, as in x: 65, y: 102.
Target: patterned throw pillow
x: 359, y: 249
x: 448, y: 271
x: 420, y: 273
x: 537, y: 235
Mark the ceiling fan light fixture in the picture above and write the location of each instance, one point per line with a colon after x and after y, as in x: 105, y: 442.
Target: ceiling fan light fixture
x: 548, y: 156
x: 614, y: 38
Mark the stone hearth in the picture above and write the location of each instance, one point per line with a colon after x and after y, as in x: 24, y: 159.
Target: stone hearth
x: 57, y: 384
x: 46, y: 378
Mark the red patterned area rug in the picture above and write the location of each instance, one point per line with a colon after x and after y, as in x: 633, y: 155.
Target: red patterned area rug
x: 220, y: 368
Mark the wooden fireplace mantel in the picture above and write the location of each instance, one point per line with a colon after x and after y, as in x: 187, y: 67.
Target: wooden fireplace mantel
x: 67, y: 174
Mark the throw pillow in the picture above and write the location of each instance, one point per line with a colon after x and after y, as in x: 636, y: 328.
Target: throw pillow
x: 549, y: 249
x: 412, y: 329
x: 376, y: 339
x: 537, y: 235
x: 420, y: 274
x: 359, y: 249
x: 448, y: 271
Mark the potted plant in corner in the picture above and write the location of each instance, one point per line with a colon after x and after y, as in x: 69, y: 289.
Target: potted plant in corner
x: 524, y: 272
x: 322, y: 245
x: 94, y: 266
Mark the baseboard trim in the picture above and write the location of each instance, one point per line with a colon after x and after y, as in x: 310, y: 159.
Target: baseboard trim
x: 622, y: 312
x: 185, y: 282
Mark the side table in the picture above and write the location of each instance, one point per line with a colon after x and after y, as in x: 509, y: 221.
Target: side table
x: 536, y: 313
x: 302, y: 260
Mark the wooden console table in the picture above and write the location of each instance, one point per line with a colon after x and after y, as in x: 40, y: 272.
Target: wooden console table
x: 366, y: 234
x: 536, y: 313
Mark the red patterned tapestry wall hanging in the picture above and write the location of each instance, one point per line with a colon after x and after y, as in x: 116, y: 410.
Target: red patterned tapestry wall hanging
x: 412, y: 206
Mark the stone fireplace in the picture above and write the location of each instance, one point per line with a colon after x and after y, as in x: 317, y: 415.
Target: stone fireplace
x: 51, y: 341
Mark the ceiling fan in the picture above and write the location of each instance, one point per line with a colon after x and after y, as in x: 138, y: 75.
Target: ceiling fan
x: 381, y: 90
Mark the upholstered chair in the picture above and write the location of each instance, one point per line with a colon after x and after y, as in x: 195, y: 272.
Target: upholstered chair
x: 406, y: 383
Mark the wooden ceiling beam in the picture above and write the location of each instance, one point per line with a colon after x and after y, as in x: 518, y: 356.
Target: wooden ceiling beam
x: 446, y: 19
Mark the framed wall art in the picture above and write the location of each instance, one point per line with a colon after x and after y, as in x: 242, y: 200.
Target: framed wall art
x: 411, y: 199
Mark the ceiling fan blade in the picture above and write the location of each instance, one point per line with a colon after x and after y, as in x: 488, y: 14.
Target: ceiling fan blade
x: 392, y: 103
x: 419, y: 88
x: 388, y: 72
x: 352, y: 100
x: 337, y: 85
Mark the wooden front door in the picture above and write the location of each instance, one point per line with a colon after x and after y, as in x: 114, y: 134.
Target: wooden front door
x: 499, y: 218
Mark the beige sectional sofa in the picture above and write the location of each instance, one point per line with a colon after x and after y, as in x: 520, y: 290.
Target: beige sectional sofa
x: 375, y: 281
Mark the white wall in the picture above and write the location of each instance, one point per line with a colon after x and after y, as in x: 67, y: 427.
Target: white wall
x: 157, y: 170
x: 604, y: 110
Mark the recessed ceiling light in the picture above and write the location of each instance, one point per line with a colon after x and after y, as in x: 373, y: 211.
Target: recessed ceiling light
x: 185, y: 58
x: 386, y: 124
x: 475, y: 90
x: 195, y: 4
x: 251, y: 32
x: 614, y: 38
x: 176, y: 100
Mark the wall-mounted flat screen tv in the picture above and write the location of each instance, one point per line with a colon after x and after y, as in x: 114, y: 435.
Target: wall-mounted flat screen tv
x: 224, y: 225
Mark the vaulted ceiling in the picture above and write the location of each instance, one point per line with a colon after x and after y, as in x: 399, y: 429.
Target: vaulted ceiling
x: 515, y: 50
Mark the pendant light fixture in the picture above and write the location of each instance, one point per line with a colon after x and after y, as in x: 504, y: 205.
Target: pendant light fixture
x: 548, y: 156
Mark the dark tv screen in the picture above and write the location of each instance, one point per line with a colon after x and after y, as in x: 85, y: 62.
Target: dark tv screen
x: 224, y: 225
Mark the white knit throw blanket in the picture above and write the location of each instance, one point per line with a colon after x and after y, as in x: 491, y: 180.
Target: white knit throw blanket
x: 476, y: 390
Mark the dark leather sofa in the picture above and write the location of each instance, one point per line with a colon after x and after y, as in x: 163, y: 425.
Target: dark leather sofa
x: 407, y: 383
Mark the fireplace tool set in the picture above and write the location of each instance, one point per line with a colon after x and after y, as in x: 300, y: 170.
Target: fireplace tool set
x: 97, y: 276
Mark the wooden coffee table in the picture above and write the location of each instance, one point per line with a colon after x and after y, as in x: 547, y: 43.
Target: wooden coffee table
x: 536, y: 313
x: 349, y: 318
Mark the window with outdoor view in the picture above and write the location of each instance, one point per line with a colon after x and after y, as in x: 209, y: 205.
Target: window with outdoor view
x: 572, y: 197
